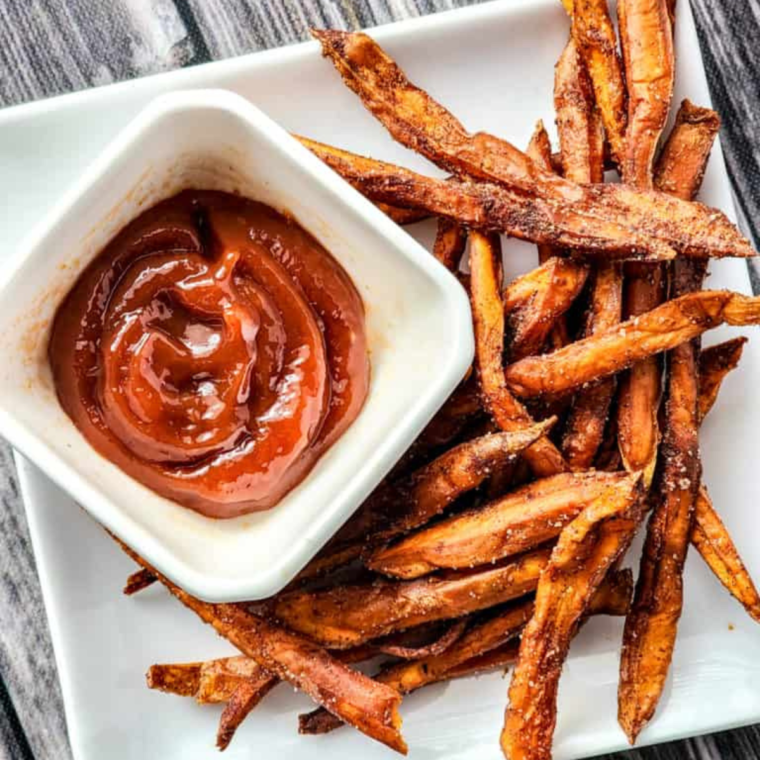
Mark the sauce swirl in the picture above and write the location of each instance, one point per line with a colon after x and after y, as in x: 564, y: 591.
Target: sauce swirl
x: 213, y: 350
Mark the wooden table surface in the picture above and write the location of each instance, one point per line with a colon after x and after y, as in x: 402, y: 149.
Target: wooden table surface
x: 48, y: 47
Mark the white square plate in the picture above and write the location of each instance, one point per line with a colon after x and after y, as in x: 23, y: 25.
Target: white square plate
x: 493, y: 65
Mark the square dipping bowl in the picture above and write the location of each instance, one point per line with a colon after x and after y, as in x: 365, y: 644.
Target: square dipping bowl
x: 418, y: 323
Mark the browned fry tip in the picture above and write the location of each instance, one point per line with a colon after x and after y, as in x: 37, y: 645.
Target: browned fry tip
x: 714, y: 364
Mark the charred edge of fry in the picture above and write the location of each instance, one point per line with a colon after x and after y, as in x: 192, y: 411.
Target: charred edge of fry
x: 714, y: 364
x: 714, y: 543
x: 138, y: 581
x: 617, y: 348
x: 447, y: 639
x: 368, y: 706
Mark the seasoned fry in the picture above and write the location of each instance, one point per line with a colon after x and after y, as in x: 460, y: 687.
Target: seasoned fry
x: 488, y: 317
x: 646, y: 37
x: 539, y: 151
x: 683, y: 159
x: 612, y: 350
x: 401, y: 215
x: 368, y: 706
x: 650, y: 630
x: 581, y: 135
x: 183, y: 679
x: 582, y: 152
x: 450, y: 242
x: 491, y: 635
x: 219, y: 679
x: 243, y: 700
x: 499, y: 209
x: 587, y: 548
x: 713, y: 541
x: 397, y: 508
x: 595, y: 38
x: 714, y: 364
x: 522, y: 520
x: 418, y: 122
x: 449, y: 637
x: 138, y: 581
x: 557, y: 284
x: 345, y: 616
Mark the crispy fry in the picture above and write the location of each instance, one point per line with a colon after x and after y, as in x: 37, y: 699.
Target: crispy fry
x: 182, y: 679
x: 612, y: 350
x: 402, y: 215
x: 417, y: 121
x: 646, y: 37
x: 522, y: 520
x: 581, y: 135
x: 713, y: 541
x: 539, y: 151
x: 556, y: 285
x: 243, y: 700
x: 582, y: 152
x: 595, y: 38
x: 368, y: 706
x: 650, y: 631
x: 219, y: 679
x: 138, y: 581
x: 396, y: 508
x: 587, y: 548
x: 488, y: 316
x: 470, y: 654
x: 683, y: 159
x: 714, y: 364
x: 500, y: 209
x: 450, y: 242
x: 349, y: 615
x: 438, y: 645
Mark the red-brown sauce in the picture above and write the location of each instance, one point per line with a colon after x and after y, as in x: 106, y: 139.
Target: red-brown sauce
x: 213, y: 350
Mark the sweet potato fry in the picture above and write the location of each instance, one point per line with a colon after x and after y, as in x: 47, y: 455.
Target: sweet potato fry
x: 468, y: 655
x: 138, y: 581
x: 555, y: 286
x: 418, y: 122
x: 581, y: 135
x: 368, y: 706
x: 499, y: 209
x: 183, y: 679
x: 646, y: 37
x: 401, y: 215
x: 595, y: 38
x: 394, y: 648
x: 713, y: 541
x: 219, y: 679
x: 539, y: 151
x: 522, y: 520
x: 397, y: 508
x: 582, y: 152
x: 242, y: 701
x: 650, y: 632
x: 488, y: 316
x: 612, y: 350
x: 450, y: 242
x: 587, y: 548
x: 345, y: 616
x: 714, y: 364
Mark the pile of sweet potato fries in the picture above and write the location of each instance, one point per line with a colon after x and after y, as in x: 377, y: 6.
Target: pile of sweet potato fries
x: 503, y: 528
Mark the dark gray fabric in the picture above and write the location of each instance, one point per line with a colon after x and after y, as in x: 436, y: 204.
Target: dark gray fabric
x: 48, y: 47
